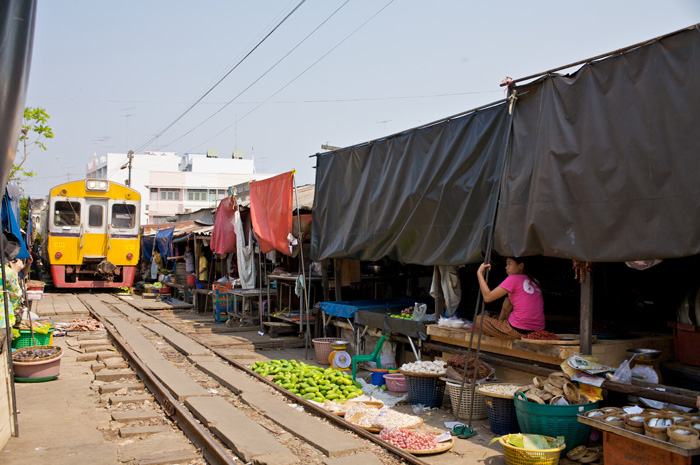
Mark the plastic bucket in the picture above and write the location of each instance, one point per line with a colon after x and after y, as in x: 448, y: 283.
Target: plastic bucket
x: 190, y: 280
x: 378, y: 376
x: 395, y: 382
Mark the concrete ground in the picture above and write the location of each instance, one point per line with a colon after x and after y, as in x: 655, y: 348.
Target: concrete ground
x: 59, y: 421
x: 472, y: 451
x: 63, y: 422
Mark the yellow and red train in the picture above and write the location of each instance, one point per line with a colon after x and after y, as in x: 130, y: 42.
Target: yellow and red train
x: 92, y: 234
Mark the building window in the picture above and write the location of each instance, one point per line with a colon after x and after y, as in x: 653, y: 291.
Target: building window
x: 221, y: 193
x: 170, y: 194
x: 154, y: 194
x: 212, y: 195
x: 197, y: 195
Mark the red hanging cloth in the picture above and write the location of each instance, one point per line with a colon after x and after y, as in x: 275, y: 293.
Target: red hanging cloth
x: 271, y: 212
x: 223, y: 237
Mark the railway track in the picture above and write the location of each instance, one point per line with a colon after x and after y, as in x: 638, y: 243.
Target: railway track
x: 230, y: 413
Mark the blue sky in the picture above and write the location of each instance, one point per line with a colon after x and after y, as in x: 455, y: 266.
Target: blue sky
x: 112, y: 74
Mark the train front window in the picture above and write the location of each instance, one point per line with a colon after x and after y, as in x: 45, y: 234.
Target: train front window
x: 95, y: 214
x: 66, y: 213
x: 123, y: 216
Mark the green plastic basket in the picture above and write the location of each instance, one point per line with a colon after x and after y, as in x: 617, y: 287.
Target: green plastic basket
x: 25, y: 339
x: 553, y: 420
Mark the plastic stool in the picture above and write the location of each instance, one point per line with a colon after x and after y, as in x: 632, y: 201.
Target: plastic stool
x: 223, y: 304
x: 373, y: 357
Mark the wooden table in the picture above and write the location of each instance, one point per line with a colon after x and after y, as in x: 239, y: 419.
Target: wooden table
x: 245, y: 294
x: 290, y: 282
x: 623, y: 447
x: 609, y: 351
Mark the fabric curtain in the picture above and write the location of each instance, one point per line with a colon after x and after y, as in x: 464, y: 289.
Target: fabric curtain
x: 271, y: 212
x: 245, y: 254
x: 223, y: 237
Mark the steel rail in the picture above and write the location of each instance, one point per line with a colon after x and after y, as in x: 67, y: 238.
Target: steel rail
x: 340, y: 421
x: 200, y: 437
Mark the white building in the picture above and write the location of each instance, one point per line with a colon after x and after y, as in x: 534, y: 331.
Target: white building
x: 170, y: 183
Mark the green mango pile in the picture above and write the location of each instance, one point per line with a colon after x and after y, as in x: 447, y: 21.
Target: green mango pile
x: 309, y: 381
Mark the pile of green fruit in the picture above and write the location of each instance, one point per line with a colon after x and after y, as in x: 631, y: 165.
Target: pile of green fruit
x: 309, y: 381
x: 406, y: 314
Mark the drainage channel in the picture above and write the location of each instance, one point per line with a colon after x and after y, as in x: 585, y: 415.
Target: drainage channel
x: 198, y: 433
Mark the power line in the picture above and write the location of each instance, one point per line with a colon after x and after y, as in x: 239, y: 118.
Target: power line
x: 251, y: 44
x: 160, y: 133
x: 297, y: 76
x: 259, y: 77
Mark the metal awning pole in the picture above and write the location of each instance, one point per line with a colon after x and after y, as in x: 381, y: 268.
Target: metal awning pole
x: 8, y: 340
x: 305, y: 293
x: 480, y: 303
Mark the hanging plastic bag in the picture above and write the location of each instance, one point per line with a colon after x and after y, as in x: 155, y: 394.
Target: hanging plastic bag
x: 419, y: 311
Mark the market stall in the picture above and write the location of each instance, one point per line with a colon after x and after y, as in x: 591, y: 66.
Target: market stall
x: 349, y: 308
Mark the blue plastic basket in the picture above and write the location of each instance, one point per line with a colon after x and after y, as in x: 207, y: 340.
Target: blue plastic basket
x: 503, y: 418
x: 424, y: 390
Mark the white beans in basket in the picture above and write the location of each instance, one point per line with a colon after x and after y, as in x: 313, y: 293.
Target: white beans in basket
x: 435, y: 367
x: 500, y: 389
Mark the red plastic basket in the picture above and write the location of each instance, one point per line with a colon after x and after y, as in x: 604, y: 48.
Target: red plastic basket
x: 395, y: 382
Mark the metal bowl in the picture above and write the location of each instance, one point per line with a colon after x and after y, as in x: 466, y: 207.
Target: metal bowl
x: 339, y: 344
x: 645, y: 355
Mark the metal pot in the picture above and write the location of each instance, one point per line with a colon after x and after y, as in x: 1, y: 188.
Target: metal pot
x: 645, y: 355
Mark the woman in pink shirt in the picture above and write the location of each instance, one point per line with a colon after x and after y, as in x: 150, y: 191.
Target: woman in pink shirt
x: 523, y: 309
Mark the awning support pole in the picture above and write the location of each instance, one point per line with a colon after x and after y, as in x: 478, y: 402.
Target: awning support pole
x: 480, y: 303
x: 586, y: 317
x: 305, y: 294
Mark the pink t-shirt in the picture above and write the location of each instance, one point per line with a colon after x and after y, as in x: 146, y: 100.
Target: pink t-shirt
x: 528, y: 306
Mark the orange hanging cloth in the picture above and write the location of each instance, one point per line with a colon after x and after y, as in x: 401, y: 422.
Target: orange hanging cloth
x: 271, y: 212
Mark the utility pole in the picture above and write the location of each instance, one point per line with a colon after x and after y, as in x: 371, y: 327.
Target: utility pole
x: 131, y: 157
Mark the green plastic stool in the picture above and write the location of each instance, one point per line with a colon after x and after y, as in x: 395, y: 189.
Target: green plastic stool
x: 373, y: 357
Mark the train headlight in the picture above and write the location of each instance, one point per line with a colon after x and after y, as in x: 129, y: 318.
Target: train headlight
x: 129, y: 256
x: 58, y: 255
x: 96, y: 185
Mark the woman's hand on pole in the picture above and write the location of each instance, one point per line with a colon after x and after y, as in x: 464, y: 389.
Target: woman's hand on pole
x: 483, y: 267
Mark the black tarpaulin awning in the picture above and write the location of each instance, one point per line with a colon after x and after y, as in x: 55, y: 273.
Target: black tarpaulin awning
x: 605, y: 163
x: 423, y: 197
